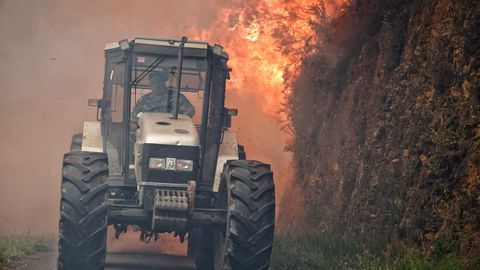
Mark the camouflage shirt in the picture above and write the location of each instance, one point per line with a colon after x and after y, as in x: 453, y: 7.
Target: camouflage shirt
x: 159, y: 103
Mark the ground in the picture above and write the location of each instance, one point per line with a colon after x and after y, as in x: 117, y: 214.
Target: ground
x: 126, y: 253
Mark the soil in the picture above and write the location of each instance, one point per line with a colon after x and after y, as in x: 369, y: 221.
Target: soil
x: 387, y: 125
x: 126, y: 253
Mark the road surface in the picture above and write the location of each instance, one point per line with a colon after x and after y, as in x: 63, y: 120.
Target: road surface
x: 128, y: 253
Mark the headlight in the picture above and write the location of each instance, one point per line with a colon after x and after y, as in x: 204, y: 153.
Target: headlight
x: 156, y: 163
x: 184, y: 165
x: 170, y: 164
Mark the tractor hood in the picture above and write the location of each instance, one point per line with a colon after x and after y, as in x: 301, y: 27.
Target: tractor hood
x: 159, y: 128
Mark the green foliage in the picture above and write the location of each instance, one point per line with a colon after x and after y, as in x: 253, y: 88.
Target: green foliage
x: 443, y: 247
x: 306, y: 252
x: 474, y: 262
x: 13, y: 247
x: 309, y: 252
x: 414, y: 260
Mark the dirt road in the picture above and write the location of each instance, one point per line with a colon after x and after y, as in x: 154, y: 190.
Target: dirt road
x: 128, y: 253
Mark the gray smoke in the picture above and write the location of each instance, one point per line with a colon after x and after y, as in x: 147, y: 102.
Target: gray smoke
x: 51, y: 62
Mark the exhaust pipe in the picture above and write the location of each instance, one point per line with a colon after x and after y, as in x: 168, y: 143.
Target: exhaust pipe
x: 176, y: 97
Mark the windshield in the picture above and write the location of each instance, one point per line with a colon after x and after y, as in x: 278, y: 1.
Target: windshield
x: 154, y: 81
x: 152, y: 84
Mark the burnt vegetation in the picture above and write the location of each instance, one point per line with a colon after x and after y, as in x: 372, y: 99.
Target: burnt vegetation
x: 386, y: 119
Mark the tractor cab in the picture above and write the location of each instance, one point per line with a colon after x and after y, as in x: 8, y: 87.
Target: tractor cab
x: 150, y: 143
x: 130, y: 79
x: 161, y: 157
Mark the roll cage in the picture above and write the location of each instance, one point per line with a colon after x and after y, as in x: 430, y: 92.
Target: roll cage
x: 122, y: 76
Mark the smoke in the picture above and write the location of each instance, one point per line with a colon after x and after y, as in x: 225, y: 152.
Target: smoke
x: 52, y: 62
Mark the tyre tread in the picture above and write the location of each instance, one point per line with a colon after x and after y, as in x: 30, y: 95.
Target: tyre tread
x: 83, y: 213
x: 252, y: 236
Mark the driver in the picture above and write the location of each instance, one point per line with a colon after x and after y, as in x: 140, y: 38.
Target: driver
x: 158, y: 99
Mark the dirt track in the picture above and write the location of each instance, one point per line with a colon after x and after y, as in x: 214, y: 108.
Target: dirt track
x: 128, y: 253
x: 119, y: 261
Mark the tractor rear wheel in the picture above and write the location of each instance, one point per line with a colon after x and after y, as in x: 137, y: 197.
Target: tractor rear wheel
x: 242, y: 155
x: 204, y: 252
x: 83, y: 211
x: 193, y: 242
x: 248, y: 194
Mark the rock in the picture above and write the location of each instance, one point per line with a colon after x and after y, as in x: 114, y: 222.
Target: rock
x: 394, y: 161
x: 470, y: 227
x: 429, y: 236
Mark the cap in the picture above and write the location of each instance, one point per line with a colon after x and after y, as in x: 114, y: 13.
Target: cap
x: 158, y: 75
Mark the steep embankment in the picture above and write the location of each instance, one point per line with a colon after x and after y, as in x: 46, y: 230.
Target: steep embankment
x: 386, y: 118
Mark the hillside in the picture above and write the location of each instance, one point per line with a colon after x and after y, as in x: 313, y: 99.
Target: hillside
x: 386, y: 117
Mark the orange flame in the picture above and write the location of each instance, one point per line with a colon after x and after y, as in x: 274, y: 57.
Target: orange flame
x: 267, y: 41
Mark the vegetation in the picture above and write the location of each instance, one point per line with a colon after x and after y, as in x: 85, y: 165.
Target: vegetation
x: 14, y: 247
x: 306, y: 252
x: 387, y: 140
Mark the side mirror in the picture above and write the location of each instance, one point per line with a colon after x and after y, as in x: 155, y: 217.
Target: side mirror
x: 227, y: 117
x: 231, y: 112
x: 92, y: 102
x: 99, y: 103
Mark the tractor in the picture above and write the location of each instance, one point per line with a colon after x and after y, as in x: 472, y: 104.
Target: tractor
x: 162, y: 169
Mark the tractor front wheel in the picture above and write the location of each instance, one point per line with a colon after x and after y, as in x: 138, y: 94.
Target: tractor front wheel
x: 248, y: 194
x: 83, y: 212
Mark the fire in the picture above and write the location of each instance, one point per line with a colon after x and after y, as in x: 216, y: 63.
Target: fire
x: 267, y: 40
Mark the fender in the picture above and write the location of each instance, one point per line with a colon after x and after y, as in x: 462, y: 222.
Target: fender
x: 228, y: 151
x: 92, y: 137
